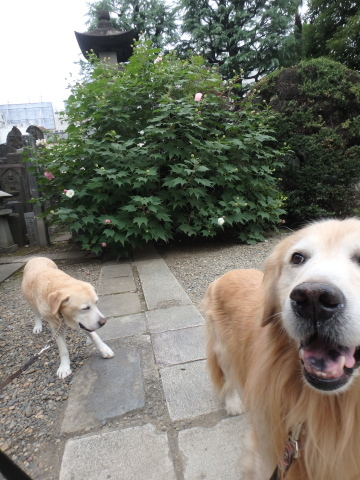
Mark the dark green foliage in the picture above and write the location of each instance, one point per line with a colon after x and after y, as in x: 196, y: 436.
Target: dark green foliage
x: 333, y: 30
x: 145, y: 160
x: 255, y: 37
x: 318, y: 116
x: 155, y: 18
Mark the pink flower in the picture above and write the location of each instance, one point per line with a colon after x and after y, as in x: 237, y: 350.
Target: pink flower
x: 103, y: 245
x: 49, y: 175
x: 157, y: 59
x: 107, y: 221
x: 198, y: 97
x: 64, y: 191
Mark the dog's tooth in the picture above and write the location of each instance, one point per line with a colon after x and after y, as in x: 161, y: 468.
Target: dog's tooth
x: 301, y: 354
x: 342, y: 363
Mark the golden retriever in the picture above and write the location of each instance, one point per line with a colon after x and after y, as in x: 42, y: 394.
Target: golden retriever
x: 288, y: 342
x: 52, y: 295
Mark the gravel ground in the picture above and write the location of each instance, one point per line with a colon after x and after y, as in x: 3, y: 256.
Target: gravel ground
x: 196, y: 265
x: 32, y: 404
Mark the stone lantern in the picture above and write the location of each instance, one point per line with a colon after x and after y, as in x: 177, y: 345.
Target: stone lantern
x: 6, y: 240
x: 108, y: 44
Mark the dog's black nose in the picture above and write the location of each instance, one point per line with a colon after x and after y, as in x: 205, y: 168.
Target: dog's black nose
x: 316, y: 301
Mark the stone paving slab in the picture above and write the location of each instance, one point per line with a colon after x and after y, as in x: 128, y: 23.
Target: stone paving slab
x: 119, y: 304
x: 115, y: 285
x: 179, y: 346
x: 7, y: 270
x: 160, y: 287
x: 137, y: 453
x: 107, y: 389
x: 188, y: 390
x: 214, y: 453
x: 104, y: 389
x: 116, y: 270
x: 173, y: 318
x: 126, y: 326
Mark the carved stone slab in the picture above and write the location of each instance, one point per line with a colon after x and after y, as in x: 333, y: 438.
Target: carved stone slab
x: 32, y: 229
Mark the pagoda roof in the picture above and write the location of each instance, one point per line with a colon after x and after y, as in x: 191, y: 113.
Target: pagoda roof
x: 106, y: 38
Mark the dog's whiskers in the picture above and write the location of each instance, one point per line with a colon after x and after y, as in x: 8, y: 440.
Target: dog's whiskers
x: 269, y: 319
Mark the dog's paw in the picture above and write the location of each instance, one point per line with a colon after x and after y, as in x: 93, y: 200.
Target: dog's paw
x: 63, y: 371
x: 106, y: 352
x: 233, y: 403
x: 37, y: 329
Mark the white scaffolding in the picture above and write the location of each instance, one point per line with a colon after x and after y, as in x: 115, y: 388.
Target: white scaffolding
x: 40, y: 114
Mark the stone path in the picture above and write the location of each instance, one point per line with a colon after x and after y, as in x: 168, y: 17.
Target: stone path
x: 154, y: 397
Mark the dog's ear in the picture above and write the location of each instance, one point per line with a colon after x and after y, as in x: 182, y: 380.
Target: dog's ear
x: 272, y: 271
x: 56, y: 299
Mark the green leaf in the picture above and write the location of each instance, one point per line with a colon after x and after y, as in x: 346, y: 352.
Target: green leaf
x: 140, y: 221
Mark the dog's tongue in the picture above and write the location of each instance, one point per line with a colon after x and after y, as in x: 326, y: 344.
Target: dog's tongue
x: 327, y: 361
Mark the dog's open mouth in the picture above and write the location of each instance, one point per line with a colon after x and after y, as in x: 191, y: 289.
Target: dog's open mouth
x: 84, y: 328
x: 328, y: 367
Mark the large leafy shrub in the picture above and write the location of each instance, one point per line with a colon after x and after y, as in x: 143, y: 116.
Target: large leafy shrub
x: 317, y: 105
x: 147, y: 160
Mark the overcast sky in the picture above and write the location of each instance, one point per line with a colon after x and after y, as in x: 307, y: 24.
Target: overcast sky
x: 38, y: 49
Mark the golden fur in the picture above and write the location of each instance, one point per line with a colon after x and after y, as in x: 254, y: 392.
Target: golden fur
x: 252, y: 349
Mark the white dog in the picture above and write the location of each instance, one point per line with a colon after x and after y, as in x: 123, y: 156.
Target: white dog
x: 54, y: 296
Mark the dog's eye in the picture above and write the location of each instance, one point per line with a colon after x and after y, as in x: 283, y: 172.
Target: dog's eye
x: 297, y: 258
x: 86, y: 308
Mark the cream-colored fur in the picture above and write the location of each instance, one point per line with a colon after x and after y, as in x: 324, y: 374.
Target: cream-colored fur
x: 51, y: 292
x: 253, y: 347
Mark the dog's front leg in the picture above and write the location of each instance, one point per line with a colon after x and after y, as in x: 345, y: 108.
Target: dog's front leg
x: 254, y: 467
x: 105, y: 351
x: 38, y: 323
x: 64, y: 369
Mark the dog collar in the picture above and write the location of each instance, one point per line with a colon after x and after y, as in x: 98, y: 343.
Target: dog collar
x: 291, y: 453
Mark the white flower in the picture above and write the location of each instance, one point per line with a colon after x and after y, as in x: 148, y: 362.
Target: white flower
x: 221, y: 221
x: 70, y: 193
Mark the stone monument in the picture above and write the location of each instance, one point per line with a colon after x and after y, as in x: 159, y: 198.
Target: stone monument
x: 14, y: 138
x: 16, y: 179
x: 7, y: 244
x: 36, y: 132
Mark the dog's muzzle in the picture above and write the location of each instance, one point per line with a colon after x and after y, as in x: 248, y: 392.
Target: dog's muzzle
x: 101, y: 323
x: 318, y: 309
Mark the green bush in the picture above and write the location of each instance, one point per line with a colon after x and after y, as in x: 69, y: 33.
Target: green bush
x: 317, y: 105
x: 145, y: 161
